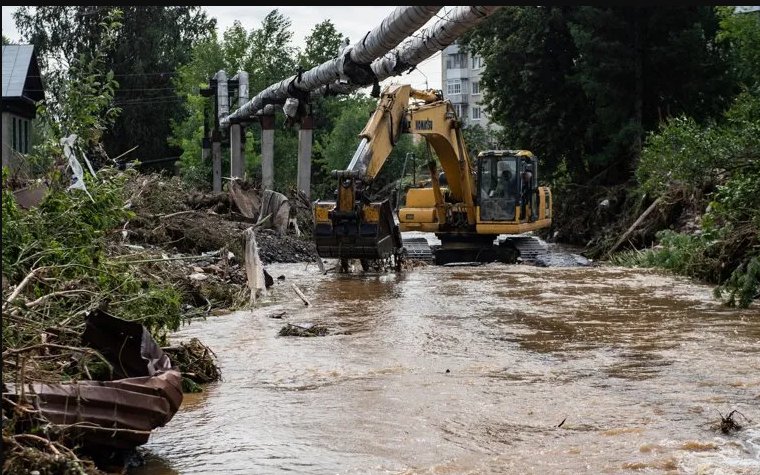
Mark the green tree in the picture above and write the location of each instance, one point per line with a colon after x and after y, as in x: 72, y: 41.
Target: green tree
x: 478, y: 138
x: 265, y: 53
x: 529, y: 54
x: 151, y: 44
x: 271, y: 56
x: 188, y: 133
x: 234, y: 48
x: 6, y: 40
x: 619, y: 49
x: 741, y: 31
x: 581, y: 85
x: 321, y: 45
x: 84, y: 103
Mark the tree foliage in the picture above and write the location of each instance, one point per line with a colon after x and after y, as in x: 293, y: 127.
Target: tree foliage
x: 271, y: 56
x: 741, y: 32
x: 83, y: 104
x: 478, y: 138
x: 258, y: 52
x: 267, y: 55
x: 529, y: 54
x: 150, y: 45
x: 321, y: 45
x: 581, y: 85
x: 724, y: 159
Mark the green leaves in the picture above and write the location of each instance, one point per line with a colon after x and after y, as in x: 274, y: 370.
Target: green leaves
x: 722, y: 159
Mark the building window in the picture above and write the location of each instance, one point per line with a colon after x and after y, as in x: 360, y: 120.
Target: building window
x: 15, y: 145
x: 456, y: 61
x: 460, y: 110
x: 454, y: 86
x: 475, y: 87
x: 476, y: 113
x: 477, y: 62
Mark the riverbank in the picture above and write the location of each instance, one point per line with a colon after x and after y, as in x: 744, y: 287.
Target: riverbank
x: 140, y: 247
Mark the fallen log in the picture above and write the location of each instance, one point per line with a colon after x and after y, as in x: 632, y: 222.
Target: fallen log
x: 301, y: 295
x: 633, y: 227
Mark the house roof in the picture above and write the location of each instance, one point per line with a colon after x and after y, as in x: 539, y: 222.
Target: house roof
x: 21, y: 73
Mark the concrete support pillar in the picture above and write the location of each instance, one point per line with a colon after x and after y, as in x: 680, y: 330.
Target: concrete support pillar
x: 237, y: 167
x: 206, y: 150
x: 243, y: 169
x: 267, y: 152
x: 305, y: 142
x: 216, y: 152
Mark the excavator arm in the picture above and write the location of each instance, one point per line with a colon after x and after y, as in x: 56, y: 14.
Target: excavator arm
x: 352, y: 227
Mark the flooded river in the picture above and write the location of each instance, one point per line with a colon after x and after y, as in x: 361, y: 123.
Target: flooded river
x: 474, y: 370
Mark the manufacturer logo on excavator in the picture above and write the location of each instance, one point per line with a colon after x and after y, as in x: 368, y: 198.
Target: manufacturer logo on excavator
x: 423, y: 124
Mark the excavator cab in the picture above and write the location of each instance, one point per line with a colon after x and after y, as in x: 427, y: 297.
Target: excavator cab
x: 508, y: 191
x: 499, y: 192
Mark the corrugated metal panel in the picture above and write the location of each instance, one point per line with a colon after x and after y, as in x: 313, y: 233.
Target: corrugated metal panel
x: 16, y: 59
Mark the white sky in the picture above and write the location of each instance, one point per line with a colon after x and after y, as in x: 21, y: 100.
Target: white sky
x: 353, y: 22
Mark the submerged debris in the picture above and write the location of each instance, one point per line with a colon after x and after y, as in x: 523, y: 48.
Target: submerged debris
x: 303, y: 329
x: 728, y: 424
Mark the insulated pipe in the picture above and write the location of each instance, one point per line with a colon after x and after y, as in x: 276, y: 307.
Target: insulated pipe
x: 433, y: 39
x: 351, y: 63
x: 430, y: 40
x: 242, y: 78
x: 222, y: 95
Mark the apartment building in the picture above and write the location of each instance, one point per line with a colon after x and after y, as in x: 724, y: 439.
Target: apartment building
x: 460, y: 80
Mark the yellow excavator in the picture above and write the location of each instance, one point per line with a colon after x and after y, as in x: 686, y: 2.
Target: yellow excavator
x: 467, y: 206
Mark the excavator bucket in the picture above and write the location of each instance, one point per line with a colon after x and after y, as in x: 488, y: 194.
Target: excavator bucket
x: 365, y: 232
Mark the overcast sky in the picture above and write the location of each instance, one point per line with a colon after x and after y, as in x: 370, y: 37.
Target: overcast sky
x: 353, y: 22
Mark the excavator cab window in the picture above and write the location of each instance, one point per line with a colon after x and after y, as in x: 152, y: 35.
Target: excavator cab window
x: 499, y: 187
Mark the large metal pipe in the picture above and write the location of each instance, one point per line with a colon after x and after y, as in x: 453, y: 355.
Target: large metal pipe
x: 222, y: 95
x: 433, y: 39
x: 351, y: 64
x: 430, y: 40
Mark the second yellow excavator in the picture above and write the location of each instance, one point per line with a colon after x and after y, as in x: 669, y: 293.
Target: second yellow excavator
x: 497, y: 194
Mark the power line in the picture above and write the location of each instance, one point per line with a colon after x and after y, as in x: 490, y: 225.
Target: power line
x: 162, y: 73
x: 119, y: 89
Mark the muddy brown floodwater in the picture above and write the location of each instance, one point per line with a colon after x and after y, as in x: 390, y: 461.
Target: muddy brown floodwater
x: 472, y: 370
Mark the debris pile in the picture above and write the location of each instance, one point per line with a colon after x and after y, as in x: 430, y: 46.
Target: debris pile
x: 196, y: 361
x: 174, y: 218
